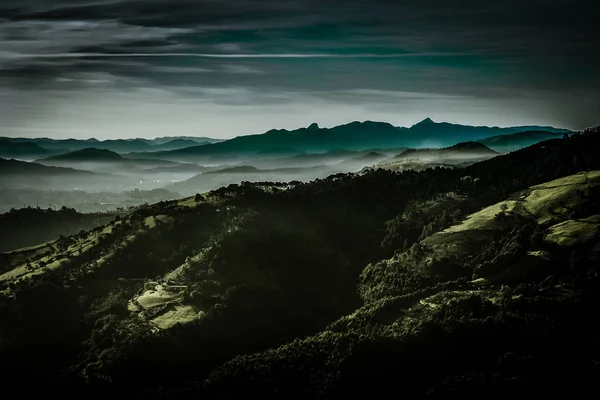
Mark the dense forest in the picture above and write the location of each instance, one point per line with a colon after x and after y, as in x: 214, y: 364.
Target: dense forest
x: 33, y: 225
x: 447, y: 282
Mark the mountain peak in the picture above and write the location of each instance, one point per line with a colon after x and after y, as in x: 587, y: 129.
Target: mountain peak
x: 426, y: 121
x: 313, y: 126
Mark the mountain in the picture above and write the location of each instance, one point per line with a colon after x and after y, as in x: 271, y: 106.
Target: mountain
x: 515, y: 141
x: 20, y: 174
x: 176, y: 144
x: 107, y: 161
x: 87, y: 154
x: 442, y: 283
x: 458, y: 154
x: 198, y: 139
x: 9, y: 149
x: 235, y: 175
x: 355, y: 136
x: 445, y: 134
x: 116, y: 145
x: 30, y: 168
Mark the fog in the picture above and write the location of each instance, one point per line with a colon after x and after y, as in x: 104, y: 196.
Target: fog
x: 90, y: 180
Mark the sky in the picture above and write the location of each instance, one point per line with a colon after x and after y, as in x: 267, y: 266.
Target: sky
x: 223, y: 68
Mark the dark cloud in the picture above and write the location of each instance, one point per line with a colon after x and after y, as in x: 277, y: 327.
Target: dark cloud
x: 545, y: 51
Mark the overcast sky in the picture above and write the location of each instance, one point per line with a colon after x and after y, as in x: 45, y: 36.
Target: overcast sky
x: 222, y: 68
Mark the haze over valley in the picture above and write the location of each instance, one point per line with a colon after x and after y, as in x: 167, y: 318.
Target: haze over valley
x: 111, y: 174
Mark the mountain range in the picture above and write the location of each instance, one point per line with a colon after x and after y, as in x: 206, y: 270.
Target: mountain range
x: 56, y: 146
x: 353, y: 136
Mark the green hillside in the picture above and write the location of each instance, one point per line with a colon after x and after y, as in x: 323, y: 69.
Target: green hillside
x: 433, y: 284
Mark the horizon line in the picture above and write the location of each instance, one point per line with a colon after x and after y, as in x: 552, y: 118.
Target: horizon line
x: 302, y: 127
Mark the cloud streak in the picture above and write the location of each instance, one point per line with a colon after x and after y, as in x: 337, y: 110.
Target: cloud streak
x: 398, y: 59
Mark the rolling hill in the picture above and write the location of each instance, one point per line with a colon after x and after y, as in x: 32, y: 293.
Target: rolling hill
x: 121, y: 146
x: 354, y: 136
x: 458, y: 154
x: 34, y: 226
x: 27, y: 150
x: 87, y: 154
x: 103, y: 160
x: 20, y: 174
x: 440, y: 283
x: 515, y: 141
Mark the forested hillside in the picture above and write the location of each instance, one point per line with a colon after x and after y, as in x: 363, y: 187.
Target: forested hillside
x: 32, y: 226
x: 444, y: 282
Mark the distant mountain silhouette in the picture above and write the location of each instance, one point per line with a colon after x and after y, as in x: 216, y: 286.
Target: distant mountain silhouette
x: 117, y: 145
x: 515, y: 141
x: 460, y: 154
x: 21, y: 150
x: 177, y: 144
x: 457, y: 150
x: 355, y: 136
x: 445, y: 134
x: 32, y: 168
x: 21, y: 174
x: 157, y: 142
x: 88, y: 154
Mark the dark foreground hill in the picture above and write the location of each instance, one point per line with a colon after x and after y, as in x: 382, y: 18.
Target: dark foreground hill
x: 32, y: 226
x: 462, y: 283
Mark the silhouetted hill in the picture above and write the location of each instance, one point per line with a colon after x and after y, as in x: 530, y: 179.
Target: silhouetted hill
x: 33, y: 226
x: 354, y: 136
x: 467, y: 147
x: 458, y: 154
x: 117, y: 145
x: 87, y: 154
x: 198, y: 139
x: 106, y: 161
x: 444, y: 283
x: 31, y: 168
x: 176, y: 144
x: 21, y: 150
x: 515, y: 141
x: 20, y: 174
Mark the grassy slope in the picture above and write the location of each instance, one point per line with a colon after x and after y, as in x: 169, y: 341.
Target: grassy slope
x: 263, y: 265
x: 31, y: 227
x: 421, y: 300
